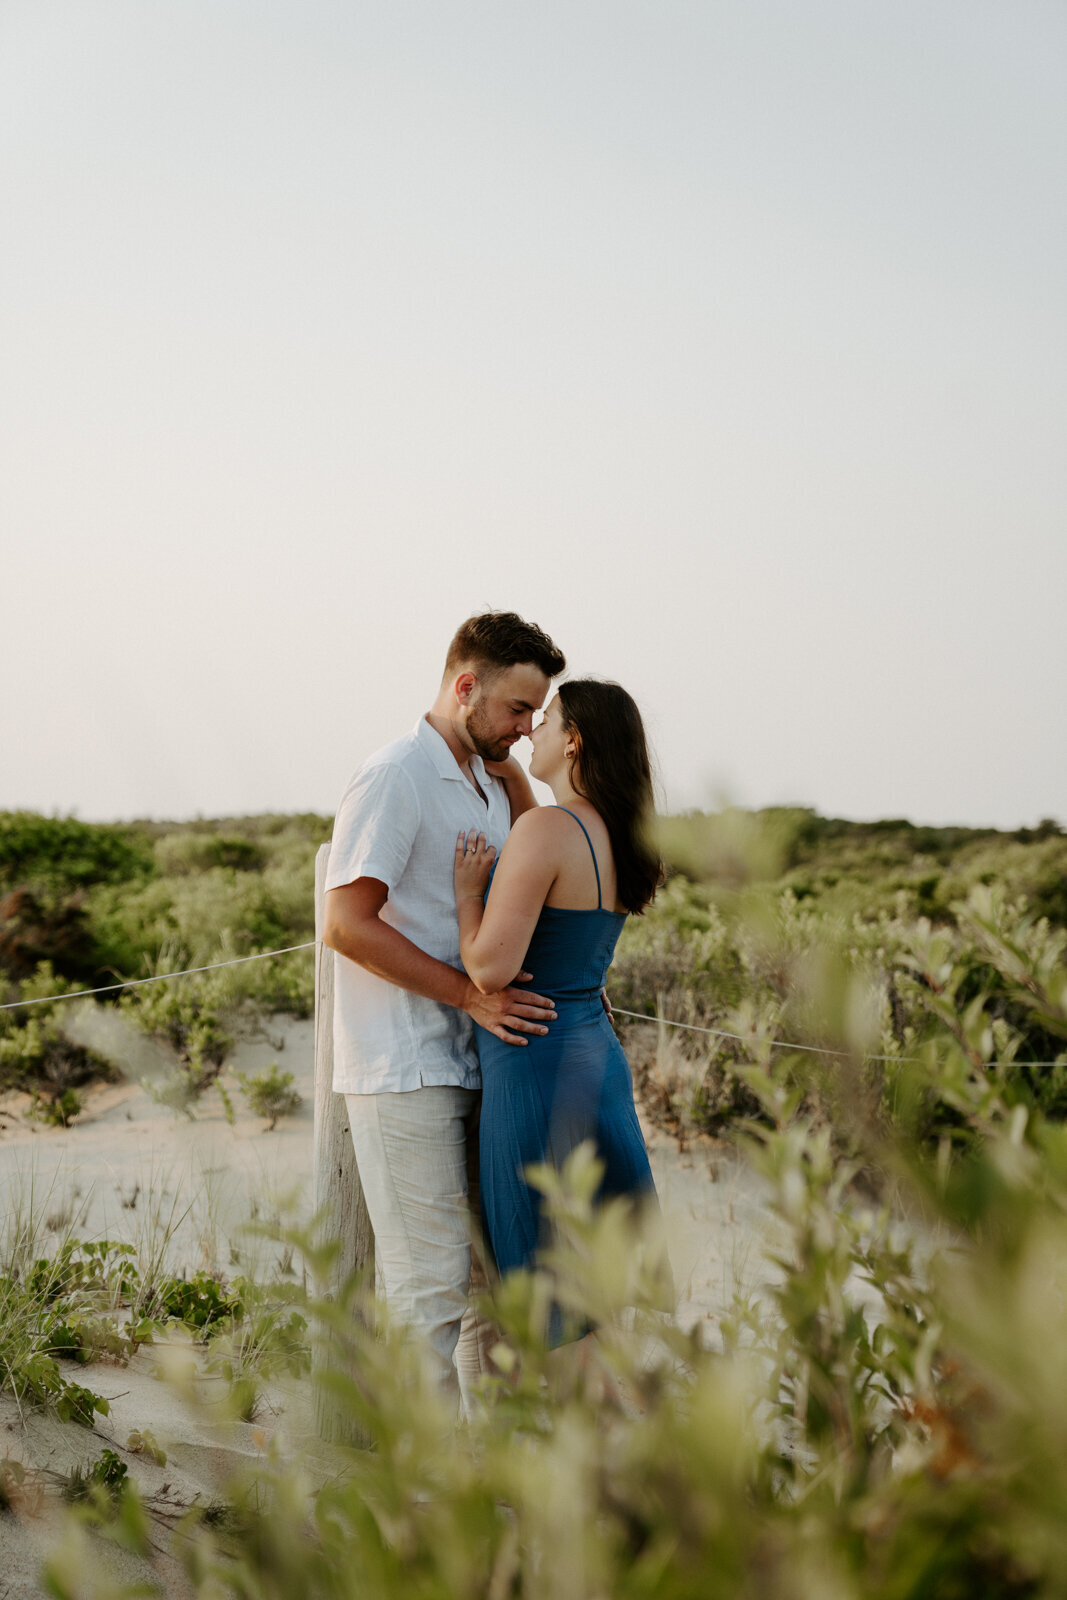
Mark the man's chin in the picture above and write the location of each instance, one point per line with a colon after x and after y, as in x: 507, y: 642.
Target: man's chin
x: 493, y: 752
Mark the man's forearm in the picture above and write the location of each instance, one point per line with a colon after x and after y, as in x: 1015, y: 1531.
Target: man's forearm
x: 384, y: 950
x: 352, y: 926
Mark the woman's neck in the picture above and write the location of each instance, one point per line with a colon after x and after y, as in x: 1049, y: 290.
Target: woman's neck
x: 564, y: 793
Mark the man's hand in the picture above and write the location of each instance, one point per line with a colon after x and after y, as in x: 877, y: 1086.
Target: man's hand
x: 510, y: 1008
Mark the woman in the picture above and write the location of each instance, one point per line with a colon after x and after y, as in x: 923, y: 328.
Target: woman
x: 560, y: 895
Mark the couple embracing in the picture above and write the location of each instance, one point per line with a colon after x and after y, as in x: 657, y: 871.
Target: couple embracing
x: 470, y: 1035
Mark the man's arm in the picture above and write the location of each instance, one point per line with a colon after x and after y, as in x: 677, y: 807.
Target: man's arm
x: 517, y: 786
x: 354, y: 928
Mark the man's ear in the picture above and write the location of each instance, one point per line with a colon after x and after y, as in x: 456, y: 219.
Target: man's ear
x: 464, y: 686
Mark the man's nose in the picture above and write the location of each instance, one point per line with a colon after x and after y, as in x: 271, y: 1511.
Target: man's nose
x: 525, y: 725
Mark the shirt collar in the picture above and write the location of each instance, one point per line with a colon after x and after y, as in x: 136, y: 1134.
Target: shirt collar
x: 442, y: 758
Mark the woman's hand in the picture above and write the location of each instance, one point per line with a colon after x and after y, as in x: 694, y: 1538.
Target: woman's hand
x: 517, y: 785
x: 502, y: 769
x: 474, y: 859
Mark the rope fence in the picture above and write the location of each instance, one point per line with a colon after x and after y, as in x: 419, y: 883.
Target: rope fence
x: 636, y: 1016
x: 776, y: 1044
x: 161, y: 977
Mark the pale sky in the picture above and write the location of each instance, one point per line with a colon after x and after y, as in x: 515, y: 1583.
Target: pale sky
x: 725, y: 340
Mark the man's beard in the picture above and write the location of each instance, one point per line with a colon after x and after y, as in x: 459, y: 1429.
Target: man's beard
x: 489, y: 745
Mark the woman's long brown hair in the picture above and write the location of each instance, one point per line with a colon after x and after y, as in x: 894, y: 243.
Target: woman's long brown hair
x: 613, y: 772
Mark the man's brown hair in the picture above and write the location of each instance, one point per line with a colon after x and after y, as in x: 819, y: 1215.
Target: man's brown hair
x: 498, y: 639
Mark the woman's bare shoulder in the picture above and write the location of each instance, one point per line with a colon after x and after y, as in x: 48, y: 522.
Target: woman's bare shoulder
x: 539, y: 825
x: 543, y: 821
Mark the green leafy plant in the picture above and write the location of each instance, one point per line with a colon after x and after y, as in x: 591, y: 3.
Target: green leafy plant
x: 270, y: 1093
x: 34, y: 1051
x: 61, y: 1111
x: 65, y: 851
x: 201, y: 1302
x: 142, y: 1441
x: 107, y: 1476
x: 266, y: 1337
x: 31, y: 1332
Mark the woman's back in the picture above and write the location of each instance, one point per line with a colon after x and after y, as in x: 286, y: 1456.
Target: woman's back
x: 574, y: 939
x: 586, y: 866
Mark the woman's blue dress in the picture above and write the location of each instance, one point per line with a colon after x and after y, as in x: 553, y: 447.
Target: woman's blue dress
x: 539, y: 1102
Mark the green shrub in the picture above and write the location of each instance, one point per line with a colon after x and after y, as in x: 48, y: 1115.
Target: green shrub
x: 178, y: 854
x: 36, y: 928
x: 33, y: 1047
x: 63, y: 853
x: 187, y: 1014
x: 270, y: 1093
x: 60, y: 1111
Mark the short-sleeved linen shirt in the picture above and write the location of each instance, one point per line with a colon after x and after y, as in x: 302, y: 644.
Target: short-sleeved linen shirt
x: 398, y: 822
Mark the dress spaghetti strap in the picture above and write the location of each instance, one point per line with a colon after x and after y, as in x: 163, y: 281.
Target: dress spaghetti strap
x: 592, y: 852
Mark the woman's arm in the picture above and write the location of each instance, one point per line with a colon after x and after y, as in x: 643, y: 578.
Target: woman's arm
x: 494, y: 939
x: 354, y: 928
x: 517, y: 786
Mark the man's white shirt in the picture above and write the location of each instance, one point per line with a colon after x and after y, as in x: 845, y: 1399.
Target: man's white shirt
x: 398, y: 822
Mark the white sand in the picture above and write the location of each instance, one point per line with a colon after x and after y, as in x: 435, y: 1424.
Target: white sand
x: 129, y: 1168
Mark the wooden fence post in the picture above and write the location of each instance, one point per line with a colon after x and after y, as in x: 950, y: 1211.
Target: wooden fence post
x: 338, y: 1192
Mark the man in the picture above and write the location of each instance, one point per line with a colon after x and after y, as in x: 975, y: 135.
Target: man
x: 404, y: 1049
